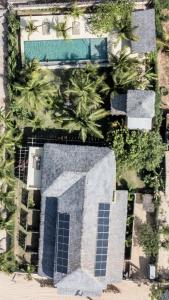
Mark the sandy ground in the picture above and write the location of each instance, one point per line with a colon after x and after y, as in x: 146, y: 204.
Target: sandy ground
x: 163, y: 257
x: 138, y: 258
x: 22, y: 289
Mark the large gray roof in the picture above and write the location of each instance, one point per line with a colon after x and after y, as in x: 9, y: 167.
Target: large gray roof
x: 144, y: 24
x: 140, y: 104
x: 75, y: 179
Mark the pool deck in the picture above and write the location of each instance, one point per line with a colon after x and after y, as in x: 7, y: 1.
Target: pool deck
x: 3, y: 50
x: 82, y: 33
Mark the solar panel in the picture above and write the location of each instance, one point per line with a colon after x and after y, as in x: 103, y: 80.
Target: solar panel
x: 62, y: 242
x: 102, y: 239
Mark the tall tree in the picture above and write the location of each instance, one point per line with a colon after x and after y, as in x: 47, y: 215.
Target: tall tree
x: 35, y: 91
x: 85, y: 122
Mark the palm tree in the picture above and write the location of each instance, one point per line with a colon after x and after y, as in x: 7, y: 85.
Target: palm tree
x: 6, y: 171
x: 61, y: 28
x: 85, y: 88
x: 124, y: 60
x: 7, y: 199
x: 126, y: 31
x: 30, y: 66
x: 128, y: 72
x: 36, y: 92
x: 76, y: 11
x: 84, y: 122
x: 30, y: 28
x: 124, y: 80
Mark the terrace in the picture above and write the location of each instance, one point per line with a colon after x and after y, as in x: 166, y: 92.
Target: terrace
x: 72, y: 45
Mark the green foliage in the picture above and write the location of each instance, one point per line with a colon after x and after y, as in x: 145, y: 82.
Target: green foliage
x: 61, y: 29
x: 137, y: 149
x: 84, y: 92
x: 30, y: 28
x: 30, y: 270
x: 149, y: 239
x: 165, y: 230
x: 127, y: 72
x: 34, y: 93
x: 13, y: 49
x: 8, y: 263
x: 110, y: 16
x: 156, y: 291
x: 154, y: 180
x: 76, y: 11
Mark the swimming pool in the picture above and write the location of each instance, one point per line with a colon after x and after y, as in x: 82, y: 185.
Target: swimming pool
x: 70, y: 50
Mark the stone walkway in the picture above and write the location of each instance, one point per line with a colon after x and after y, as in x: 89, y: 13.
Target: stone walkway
x: 3, y: 54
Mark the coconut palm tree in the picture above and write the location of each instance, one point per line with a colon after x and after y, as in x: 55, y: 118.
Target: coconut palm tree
x: 127, y: 72
x: 126, y: 30
x: 61, y: 28
x: 124, y: 80
x: 85, y: 122
x: 124, y: 60
x: 7, y: 199
x: 6, y: 171
x: 30, y: 28
x: 35, y: 92
x: 85, y: 88
x: 76, y: 11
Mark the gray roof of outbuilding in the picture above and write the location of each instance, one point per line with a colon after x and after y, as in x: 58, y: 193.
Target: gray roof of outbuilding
x: 144, y: 23
x: 75, y: 179
x: 140, y: 104
x: 165, y: 296
x: 118, y: 104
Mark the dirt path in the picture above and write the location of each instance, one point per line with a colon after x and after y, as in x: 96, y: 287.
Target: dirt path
x: 138, y: 257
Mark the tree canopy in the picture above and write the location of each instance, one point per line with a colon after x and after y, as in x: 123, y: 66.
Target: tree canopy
x: 110, y: 16
x: 137, y: 149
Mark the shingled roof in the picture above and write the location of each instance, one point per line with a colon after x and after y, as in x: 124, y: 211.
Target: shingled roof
x: 140, y: 104
x: 165, y: 296
x: 75, y: 180
x: 137, y: 105
x: 144, y: 24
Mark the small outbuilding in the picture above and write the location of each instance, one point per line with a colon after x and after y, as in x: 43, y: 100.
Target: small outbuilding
x: 138, y: 106
x: 143, y: 22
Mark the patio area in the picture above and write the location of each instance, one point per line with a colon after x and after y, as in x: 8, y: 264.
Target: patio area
x: 72, y: 43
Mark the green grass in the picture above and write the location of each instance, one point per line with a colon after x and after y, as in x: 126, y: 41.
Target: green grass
x: 130, y: 179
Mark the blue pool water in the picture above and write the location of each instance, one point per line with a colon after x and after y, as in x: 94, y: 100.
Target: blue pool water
x: 62, y: 50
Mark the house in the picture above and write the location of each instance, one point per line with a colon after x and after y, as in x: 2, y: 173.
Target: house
x: 137, y: 105
x: 143, y: 22
x: 83, y: 219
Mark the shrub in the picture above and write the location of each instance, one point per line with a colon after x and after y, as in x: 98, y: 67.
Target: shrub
x: 149, y: 240
x: 137, y: 149
x: 108, y: 16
